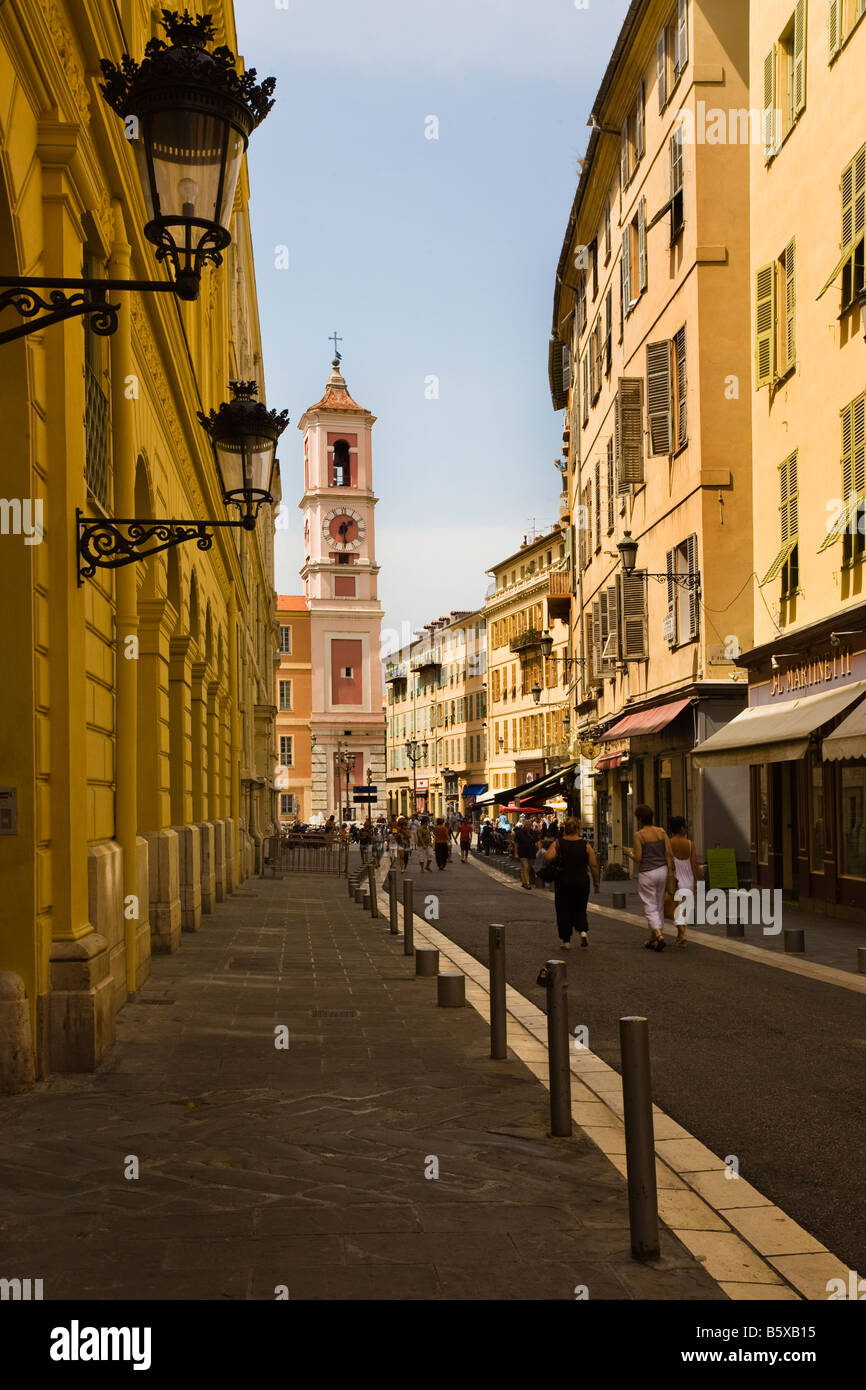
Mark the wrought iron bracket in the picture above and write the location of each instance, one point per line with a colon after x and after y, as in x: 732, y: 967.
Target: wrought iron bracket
x: 110, y: 543
x: 685, y: 581
x: 88, y: 298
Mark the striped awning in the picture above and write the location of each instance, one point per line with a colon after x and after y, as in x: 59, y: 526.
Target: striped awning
x: 646, y: 721
x: 849, y: 740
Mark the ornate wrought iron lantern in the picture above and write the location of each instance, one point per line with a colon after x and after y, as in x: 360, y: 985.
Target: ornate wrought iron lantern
x: 188, y: 114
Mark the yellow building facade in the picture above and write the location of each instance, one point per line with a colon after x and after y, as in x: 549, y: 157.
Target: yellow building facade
x: 528, y: 692
x: 294, y: 696
x: 650, y: 361
x: 137, y: 711
x: 804, y: 735
x: 436, y: 702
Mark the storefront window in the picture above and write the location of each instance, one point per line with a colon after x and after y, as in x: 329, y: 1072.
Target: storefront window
x: 852, y: 822
x: 816, y: 817
x: 763, y: 815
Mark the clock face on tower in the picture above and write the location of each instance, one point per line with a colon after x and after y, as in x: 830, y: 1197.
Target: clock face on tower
x: 343, y: 528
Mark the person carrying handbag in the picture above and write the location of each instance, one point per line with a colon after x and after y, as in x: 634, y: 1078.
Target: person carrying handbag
x: 573, y: 860
x: 655, y: 872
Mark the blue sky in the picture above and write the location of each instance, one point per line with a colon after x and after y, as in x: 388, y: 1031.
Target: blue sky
x: 431, y: 257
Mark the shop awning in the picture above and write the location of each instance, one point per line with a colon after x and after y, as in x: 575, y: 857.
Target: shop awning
x: 774, y: 733
x: 849, y: 740
x: 645, y: 721
x: 475, y: 789
x: 608, y: 762
x: 503, y: 794
x: 545, y: 786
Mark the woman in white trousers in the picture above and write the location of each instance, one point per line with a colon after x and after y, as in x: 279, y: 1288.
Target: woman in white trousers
x: 654, y: 858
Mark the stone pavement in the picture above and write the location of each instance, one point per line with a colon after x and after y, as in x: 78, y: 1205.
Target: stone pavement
x: 260, y: 1167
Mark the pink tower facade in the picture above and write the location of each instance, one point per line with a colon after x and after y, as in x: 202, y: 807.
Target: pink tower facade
x: 340, y: 577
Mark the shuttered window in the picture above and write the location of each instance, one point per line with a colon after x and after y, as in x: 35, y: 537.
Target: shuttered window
x: 682, y: 49
x: 598, y: 505
x: 788, y: 518
x: 789, y: 334
x: 769, y: 108
x: 853, y: 227
x: 596, y: 640
x: 628, y: 433
x: 834, y: 29
x: 662, y: 68
x: 611, y: 486
x: 681, y: 381
x: 640, y: 124
x: 585, y: 387
x: 670, y: 633
x: 624, y: 155
x: 608, y: 332
x: 607, y: 231
x: 659, y: 397
x: 641, y: 244
x: 633, y: 615
x: 580, y: 306
x: 626, y: 271
x: 850, y: 516
x: 693, y: 593
x: 765, y: 322
x: 799, y: 74
x: 599, y: 355
x: 677, y: 208
x: 610, y: 648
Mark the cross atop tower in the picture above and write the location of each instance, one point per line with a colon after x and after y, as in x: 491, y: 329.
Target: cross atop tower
x: 335, y: 340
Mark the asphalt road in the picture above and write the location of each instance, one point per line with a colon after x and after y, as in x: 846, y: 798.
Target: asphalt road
x: 751, y: 1060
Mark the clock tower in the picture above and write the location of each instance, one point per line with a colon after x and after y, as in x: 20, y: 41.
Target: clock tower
x: 347, y: 722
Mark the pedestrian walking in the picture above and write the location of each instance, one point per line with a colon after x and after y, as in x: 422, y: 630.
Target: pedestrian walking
x: 575, y: 861
x: 652, y: 854
x: 525, y: 847
x: 464, y: 836
x: 425, y: 845
x: 404, y: 844
x: 377, y: 844
x: 364, y: 838
x: 686, y: 870
x: 485, y: 836
x: 441, y: 843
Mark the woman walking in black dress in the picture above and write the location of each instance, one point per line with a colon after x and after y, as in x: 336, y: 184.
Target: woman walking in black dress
x: 575, y: 861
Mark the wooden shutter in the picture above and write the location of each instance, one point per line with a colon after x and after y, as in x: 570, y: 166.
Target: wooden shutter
x: 602, y: 630
x: 847, y: 459
x: 694, y: 598
x: 659, y: 395
x: 858, y: 445
x: 671, y: 590
x: 789, y: 257
x: 599, y: 353
x: 608, y: 332
x: 765, y: 321
x: 580, y: 306
x: 662, y: 68
x: 589, y: 670
x: 834, y: 30
x: 611, y: 485
x: 598, y: 504
x: 607, y: 231
x: 639, y: 123
x: 799, y: 77
x: 629, y: 432
x: 676, y: 154
x: 769, y: 111
x: 596, y: 639
x: 682, y: 34
x: 623, y: 154
x: 682, y: 387
x: 612, y: 658
x: 641, y: 243
x: 626, y: 270
x: 633, y: 616
x: 585, y: 387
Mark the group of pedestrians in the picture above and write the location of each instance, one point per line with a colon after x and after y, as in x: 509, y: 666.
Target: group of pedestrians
x: 432, y: 838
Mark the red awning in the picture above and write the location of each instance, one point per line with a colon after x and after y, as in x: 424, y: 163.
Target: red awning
x: 647, y: 721
x: 610, y: 760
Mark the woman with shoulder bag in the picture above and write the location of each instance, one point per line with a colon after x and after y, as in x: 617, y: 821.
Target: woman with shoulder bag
x: 572, y: 861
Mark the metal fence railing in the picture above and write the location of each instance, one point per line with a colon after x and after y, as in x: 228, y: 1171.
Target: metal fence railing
x: 308, y: 854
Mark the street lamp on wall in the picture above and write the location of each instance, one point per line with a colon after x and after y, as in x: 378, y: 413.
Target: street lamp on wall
x: 627, y: 548
x: 188, y: 114
x: 244, y: 435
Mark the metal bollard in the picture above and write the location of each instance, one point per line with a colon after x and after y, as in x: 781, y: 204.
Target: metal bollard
x: 408, y: 924
x: 735, y: 929
x: 450, y: 990
x: 498, y: 1014
x: 365, y: 897
x: 426, y: 961
x: 374, y: 898
x: 392, y: 900
x: 643, y: 1211
x: 795, y: 939
x: 619, y: 900
x: 861, y: 960
x: 553, y: 977
x: 352, y: 881
x: 356, y: 892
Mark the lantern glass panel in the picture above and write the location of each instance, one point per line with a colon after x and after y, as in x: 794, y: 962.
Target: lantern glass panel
x: 189, y: 150
x: 246, y: 464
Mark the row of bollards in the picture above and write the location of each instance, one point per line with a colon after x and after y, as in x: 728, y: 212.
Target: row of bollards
x: 634, y: 1050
